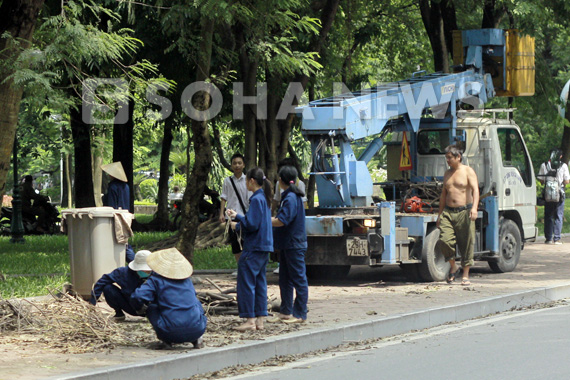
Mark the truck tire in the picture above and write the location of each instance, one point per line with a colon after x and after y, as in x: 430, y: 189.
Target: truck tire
x: 327, y: 272
x: 509, y: 247
x: 433, y: 266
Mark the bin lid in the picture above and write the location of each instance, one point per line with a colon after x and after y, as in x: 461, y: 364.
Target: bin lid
x: 93, y: 212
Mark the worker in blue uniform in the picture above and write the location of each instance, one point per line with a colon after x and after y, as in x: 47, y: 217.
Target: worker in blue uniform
x: 118, y: 192
x: 255, y: 226
x: 291, y: 238
x: 118, y: 195
x: 169, y: 300
x: 119, y: 285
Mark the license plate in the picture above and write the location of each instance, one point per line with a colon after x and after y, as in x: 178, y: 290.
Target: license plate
x: 356, y: 246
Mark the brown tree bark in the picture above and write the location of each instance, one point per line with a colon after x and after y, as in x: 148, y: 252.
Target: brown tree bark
x: 432, y: 17
x: 279, y: 131
x: 161, y: 217
x: 491, y: 14
x: 248, y: 70
x: 202, y: 149
x: 123, y: 149
x: 17, y: 18
x: 83, y: 184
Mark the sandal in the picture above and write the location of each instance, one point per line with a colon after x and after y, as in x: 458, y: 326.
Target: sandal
x: 293, y: 320
x: 451, y: 276
x: 465, y: 282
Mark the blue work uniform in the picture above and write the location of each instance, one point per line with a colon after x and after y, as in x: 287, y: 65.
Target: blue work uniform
x: 257, y: 234
x: 291, y: 239
x: 118, y: 195
x: 117, y: 298
x: 174, y: 311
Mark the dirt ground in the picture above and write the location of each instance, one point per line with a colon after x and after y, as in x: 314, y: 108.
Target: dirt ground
x: 367, y: 293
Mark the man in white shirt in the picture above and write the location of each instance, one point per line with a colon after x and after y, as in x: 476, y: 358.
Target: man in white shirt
x: 554, y: 211
x: 230, y: 200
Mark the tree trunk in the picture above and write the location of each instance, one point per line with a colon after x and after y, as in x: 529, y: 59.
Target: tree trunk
x: 123, y: 150
x: 161, y: 217
x: 17, y: 18
x: 83, y: 183
x: 248, y: 70
x: 491, y: 15
x: 278, y: 131
x: 96, y: 162
x: 202, y: 149
x: 67, y: 187
x: 434, y: 25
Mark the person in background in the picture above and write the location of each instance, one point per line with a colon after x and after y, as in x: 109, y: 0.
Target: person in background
x: 278, y: 190
x: 119, y: 285
x: 291, y: 240
x: 169, y: 300
x: 255, y: 226
x: 176, y: 195
x: 29, y: 194
x: 118, y: 195
x: 235, y: 196
x: 554, y: 211
x: 457, y: 213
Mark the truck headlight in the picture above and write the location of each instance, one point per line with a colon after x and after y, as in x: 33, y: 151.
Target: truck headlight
x: 370, y: 223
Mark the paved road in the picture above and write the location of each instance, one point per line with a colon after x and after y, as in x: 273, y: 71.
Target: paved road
x: 532, y: 344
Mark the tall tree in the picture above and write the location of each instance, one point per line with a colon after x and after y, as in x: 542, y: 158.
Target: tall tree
x: 439, y: 20
x: 17, y: 23
x: 201, y: 102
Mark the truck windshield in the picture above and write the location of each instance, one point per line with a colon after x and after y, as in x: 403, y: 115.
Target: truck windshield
x: 433, y: 141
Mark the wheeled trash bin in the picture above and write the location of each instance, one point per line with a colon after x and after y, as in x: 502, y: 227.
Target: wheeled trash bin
x: 93, y: 247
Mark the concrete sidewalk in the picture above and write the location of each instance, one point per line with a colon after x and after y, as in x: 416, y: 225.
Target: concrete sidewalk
x: 374, y: 309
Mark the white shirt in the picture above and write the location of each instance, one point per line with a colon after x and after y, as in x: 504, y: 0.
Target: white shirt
x: 175, y: 196
x: 300, y: 185
x: 229, y: 195
x: 562, y: 174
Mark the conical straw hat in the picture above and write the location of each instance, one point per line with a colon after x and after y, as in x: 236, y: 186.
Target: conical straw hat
x: 115, y: 170
x: 170, y: 263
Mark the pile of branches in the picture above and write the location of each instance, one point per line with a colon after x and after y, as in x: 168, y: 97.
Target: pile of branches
x: 63, y: 322
x: 219, y: 303
x: 224, y: 301
x: 210, y: 233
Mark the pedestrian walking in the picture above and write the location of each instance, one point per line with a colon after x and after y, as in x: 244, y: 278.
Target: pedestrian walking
x: 291, y: 240
x: 255, y: 227
x: 555, y: 176
x: 457, y: 213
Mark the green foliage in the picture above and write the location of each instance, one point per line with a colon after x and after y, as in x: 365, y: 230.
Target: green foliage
x: 149, y: 189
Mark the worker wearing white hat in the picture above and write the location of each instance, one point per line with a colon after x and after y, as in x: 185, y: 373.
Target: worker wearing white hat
x: 128, y: 279
x: 118, y: 192
x: 169, y: 299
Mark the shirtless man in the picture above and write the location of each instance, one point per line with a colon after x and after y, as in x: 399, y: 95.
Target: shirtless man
x: 457, y: 214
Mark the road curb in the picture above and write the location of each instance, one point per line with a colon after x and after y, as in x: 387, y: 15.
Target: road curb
x: 214, y: 359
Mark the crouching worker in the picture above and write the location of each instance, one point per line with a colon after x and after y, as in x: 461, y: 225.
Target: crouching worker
x: 128, y: 279
x: 169, y: 299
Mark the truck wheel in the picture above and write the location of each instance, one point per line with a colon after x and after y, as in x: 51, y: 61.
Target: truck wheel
x: 509, y: 247
x: 433, y: 266
x: 327, y: 272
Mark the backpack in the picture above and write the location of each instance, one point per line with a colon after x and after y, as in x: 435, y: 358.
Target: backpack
x: 551, y: 185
